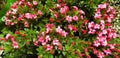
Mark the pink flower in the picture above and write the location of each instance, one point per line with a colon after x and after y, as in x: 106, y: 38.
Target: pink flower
x: 56, y: 15
x: 47, y: 38
x: 62, y: 11
x: 63, y: 33
x: 81, y: 17
x: 58, y: 29
x: 75, y: 8
x: 98, y: 10
x: 97, y: 26
x: 115, y: 35
x: 22, y: 2
x: 101, y: 55
x: 56, y: 42
x: 34, y: 16
x: 108, y: 51
x: 14, y: 5
x: 112, y: 46
x: 96, y: 43
x: 110, y: 35
x: 7, y: 22
x: 20, y: 17
x: 102, y: 6
x: 72, y: 28
x: 29, y: 5
x: 28, y: 16
x: 97, y: 15
x: 44, y: 43
x: 81, y: 55
x: 111, y: 16
x: 69, y: 19
x: 101, y: 38
x: 81, y: 12
x: 100, y: 34
x: 109, y: 20
x: 102, y: 22
x: 14, y: 11
x: 35, y: 3
x: 36, y: 43
x: 109, y: 9
x: 12, y: 39
x: 60, y: 47
x: 102, y: 27
x: 40, y: 39
x: 7, y: 36
x: 49, y: 47
x: 58, y: 5
x: 48, y: 30
x: 26, y: 24
x: 39, y: 13
x: 15, y: 44
x: 91, y: 25
x: 75, y: 18
x: 104, y: 43
x: 66, y: 8
x: 95, y: 51
x: 114, y: 11
x: 8, y: 13
x: 104, y: 31
x: 49, y: 27
x: 91, y: 31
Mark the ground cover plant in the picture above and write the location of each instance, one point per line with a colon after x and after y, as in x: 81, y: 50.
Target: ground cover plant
x: 59, y: 29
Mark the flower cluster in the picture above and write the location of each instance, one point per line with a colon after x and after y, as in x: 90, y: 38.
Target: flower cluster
x: 61, y: 32
x: 14, y: 43
x: 108, y: 14
x: 47, y: 43
x: 15, y: 14
x: 103, y: 30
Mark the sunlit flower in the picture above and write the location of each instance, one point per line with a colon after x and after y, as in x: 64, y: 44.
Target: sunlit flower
x: 49, y: 47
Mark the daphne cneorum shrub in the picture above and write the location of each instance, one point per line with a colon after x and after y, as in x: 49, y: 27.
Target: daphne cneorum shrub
x: 58, y: 29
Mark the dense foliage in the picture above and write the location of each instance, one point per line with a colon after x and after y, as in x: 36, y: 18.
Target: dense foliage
x: 59, y: 29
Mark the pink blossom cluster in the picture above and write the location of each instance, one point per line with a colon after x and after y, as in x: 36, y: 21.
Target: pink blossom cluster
x: 105, y: 34
x: 104, y: 37
x: 61, y: 31
x: 14, y: 43
x: 94, y: 27
x: 108, y: 14
x: 49, y: 27
x: 103, y: 30
x: 72, y: 28
x: 75, y: 18
x: 47, y: 42
x: 12, y: 17
x: 64, y: 9
x: 70, y: 18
